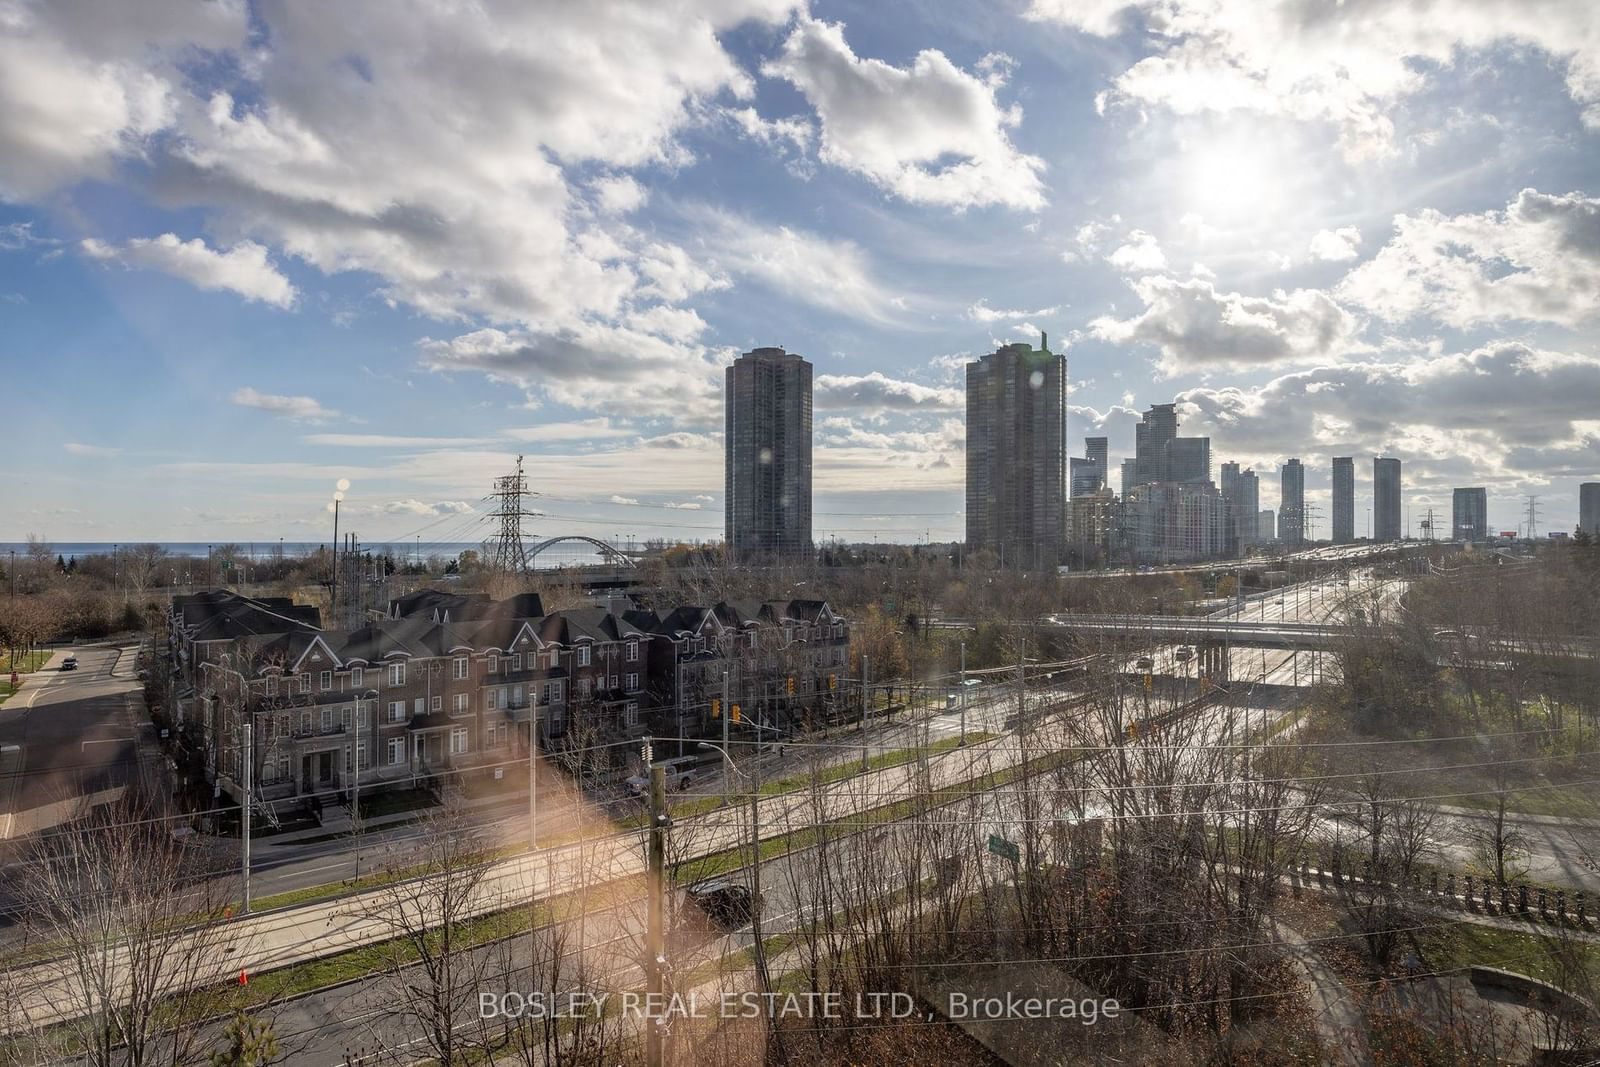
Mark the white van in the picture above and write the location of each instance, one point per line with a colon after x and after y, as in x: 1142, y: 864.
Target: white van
x: 681, y: 774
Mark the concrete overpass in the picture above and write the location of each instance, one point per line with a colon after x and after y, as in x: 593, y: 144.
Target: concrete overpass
x: 1454, y: 646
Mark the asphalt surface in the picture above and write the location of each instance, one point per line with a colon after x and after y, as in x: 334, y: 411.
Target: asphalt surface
x: 74, y: 733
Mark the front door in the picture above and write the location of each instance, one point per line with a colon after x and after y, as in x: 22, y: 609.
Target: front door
x: 305, y: 774
x: 324, y: 768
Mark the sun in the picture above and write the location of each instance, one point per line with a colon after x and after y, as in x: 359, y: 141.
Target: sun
x: 1234, y: 181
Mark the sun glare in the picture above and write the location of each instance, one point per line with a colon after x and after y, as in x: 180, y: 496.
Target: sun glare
x: 1233, y: 181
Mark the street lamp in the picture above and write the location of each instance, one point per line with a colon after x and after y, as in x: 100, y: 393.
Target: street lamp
x: 355, y: 786
x: 755, y: 861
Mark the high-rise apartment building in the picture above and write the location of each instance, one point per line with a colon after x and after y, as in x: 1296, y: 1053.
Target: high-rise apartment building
x: 1266, y: 526
x: 1589, y: 508
x: 1385, y: 498
x: 1248, y: 506
x: 1344, y: 499
x: 1160, y: 455
x: 1292, y: 504
x: 1016, y: 454
x: 1089, y: 472
x: 767, y: 473
x: 1469, y: 514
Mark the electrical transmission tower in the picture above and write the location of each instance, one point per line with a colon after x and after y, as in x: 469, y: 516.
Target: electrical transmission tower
x: 1427, y: 526
x: 1533, y: 516
x: 508, y: 552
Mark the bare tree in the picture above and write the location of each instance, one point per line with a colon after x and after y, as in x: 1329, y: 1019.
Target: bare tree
x: 132, y: 916
x: 429, y: 973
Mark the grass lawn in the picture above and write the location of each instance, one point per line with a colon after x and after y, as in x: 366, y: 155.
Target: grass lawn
x: 1534, y: 954
x: 24, y: 663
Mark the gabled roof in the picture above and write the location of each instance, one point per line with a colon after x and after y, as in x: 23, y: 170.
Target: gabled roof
x: 223, y: 615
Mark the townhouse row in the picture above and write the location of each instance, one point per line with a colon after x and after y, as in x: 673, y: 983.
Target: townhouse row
x: 455, y: 683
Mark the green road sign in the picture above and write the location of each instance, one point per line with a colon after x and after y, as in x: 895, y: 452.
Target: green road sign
x: 1001, y: 847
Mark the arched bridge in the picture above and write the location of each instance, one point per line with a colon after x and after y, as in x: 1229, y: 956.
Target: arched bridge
x: 610, y: 554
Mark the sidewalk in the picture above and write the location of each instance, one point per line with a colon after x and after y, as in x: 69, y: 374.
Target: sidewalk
x: 336, y: 819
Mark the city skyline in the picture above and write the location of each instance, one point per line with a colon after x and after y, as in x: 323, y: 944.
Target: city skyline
x: 248, y: 278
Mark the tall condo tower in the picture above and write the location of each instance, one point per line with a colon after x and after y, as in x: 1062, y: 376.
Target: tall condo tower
x: 1344, y: 499
x: 1292, y: 504
x: 1016, y: 454
x: 1385, y: 498
x: 767, y: 474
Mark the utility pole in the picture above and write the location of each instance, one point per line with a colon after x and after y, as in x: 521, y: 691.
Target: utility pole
x: 249, y: 785
x: 533, y: 779
x: 963, y: 739
x: 727, y: 713
x: 333, y: 597
x: 655, y: 918
x: 1533, y: 516
x: 355, y: 786
x: 509, y: 553
x: 866, y: 748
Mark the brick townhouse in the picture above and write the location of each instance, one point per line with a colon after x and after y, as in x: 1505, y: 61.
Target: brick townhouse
x: 450, y: 683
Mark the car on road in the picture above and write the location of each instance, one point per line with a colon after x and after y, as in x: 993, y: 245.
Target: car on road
x: 681, y: 774
x: 1144, y: 663
x: 70, y: 663
x: 728, y: 904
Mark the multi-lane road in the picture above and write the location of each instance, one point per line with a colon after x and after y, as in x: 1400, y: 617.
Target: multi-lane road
x: 66, y: 735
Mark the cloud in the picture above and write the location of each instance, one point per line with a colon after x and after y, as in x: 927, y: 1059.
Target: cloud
x: 372, y: 440
x: 612, y: 369
x: 619, y: 194
x: 1536, y: 261
x: 75, y: 448
x: 243, y: 269
x: 615, y: 499
x: 930, y: 133
x: 1344, y: 64
x: 1197, y: 328
x: 444, y: 157
x: 1492, y: 412
x: 834, y: 275
x: 982, y: 312
x: 687, y: 505
x: 576, y: 430
x: 679, y: 441
x: 851, y: 458
x: 796, y: 132
x: 1139, y: 254
x: 299, y: 408
x: 1336, y: 246
x: 418, y: 507
x: 875, y: 392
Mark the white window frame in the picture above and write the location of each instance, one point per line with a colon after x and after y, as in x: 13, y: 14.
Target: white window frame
x: 272, y: 685
x: 397, y: 751
x: 397, y: 674
x: 516, y: 661
x: 458, y: 741
x: 303, y: 682
x: 494, y: 663
x: 630, y: 714
x: 436, y: 704
x: 356, y: 675
x: 327, y: 681
x: 460, y: 703
x: 630, y: 683
x: 583, y: 655
x: 397, y: 711
x: 631, y: 654
x: 327, y: 720
x: 461, y: 668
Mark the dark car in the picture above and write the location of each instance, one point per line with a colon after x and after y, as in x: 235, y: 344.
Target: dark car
x: 728, y: 904
x: 70, y: 663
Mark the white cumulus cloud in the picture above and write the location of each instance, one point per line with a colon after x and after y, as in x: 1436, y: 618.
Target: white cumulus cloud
x: 243, y: 268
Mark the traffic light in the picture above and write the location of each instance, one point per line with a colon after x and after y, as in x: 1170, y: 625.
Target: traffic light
x: 833, y: 681
x: 791, y: 685
x: 734, y: 708
x: 716, y: 709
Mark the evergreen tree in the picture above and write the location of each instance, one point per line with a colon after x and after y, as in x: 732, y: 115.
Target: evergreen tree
x: 248, y: 1042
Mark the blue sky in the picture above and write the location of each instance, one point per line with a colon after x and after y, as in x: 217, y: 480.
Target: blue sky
x: 248, y: 250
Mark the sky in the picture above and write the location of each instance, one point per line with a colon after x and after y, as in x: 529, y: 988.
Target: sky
x: 248, y: 250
